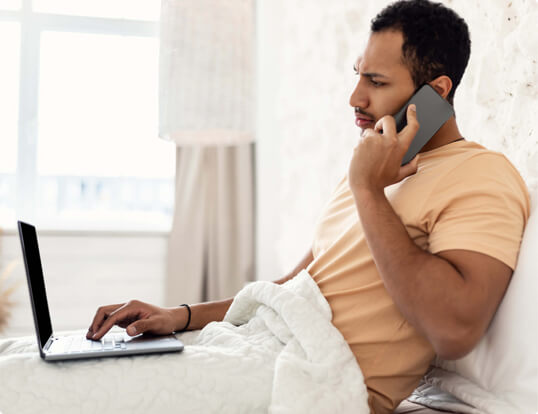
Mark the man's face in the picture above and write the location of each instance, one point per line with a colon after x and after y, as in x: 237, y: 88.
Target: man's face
x: 385, y: 83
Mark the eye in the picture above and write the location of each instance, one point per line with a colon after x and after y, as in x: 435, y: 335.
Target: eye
x: 376, y: 84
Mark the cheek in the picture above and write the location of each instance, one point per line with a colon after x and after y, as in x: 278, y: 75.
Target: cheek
x: 397, y: 104
x: 382, y: 103
x: 392, y: 100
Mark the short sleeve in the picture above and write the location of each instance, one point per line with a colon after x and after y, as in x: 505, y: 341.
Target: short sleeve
x: 481, y: 205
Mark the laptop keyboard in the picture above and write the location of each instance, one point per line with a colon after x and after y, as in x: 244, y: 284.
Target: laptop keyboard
x: 76, y: 344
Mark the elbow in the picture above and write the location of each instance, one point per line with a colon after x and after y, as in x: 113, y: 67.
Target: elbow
x: 455, y: 345
x: 452, y: 351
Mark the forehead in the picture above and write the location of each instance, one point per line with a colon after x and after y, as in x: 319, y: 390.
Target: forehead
x: 382, y: 54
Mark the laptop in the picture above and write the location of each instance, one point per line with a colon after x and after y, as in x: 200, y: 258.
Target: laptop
x: 68, y: 347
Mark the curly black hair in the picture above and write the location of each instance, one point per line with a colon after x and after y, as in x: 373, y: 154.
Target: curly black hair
x: 436, y: 39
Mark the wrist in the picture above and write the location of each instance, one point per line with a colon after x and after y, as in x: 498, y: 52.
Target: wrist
x: 181, y: 318
x: 365, y: 194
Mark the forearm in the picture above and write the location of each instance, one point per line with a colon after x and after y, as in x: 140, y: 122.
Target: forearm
x: 427, y: 289
x: 206, y: 312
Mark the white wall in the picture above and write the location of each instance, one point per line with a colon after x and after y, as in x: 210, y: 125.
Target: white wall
x: 84, y: 271
x: 306, y: 126
x: 267, y: 139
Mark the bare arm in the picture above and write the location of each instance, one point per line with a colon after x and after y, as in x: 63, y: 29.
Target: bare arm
x: 450, y: 297
x: 139, y: 317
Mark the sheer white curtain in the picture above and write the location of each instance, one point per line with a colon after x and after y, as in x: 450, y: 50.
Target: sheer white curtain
x: 206, y: 104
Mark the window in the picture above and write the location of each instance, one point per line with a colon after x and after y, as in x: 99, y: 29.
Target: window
x: 78, y: 131
x: 9, y: 103
x: 118, y: 9
x: 10, y: 4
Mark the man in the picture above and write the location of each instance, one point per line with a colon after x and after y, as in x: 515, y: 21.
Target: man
x: 413, y: 260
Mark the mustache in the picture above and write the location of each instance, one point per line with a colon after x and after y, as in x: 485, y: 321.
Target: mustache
x: 361, y: 112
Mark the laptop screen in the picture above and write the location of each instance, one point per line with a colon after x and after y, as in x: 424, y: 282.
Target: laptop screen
x: 36, y: 283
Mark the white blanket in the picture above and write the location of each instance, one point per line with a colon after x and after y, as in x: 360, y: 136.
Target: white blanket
x: 285, y: 356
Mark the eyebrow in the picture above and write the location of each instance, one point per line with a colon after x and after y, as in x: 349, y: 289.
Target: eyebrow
x: 370, y: 74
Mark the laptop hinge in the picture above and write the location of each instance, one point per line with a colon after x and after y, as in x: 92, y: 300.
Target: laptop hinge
x: 49, y: 343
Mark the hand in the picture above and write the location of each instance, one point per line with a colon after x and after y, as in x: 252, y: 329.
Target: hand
x: 376, y: 161
x: 138, y: 317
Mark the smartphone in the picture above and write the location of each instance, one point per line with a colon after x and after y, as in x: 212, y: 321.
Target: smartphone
x: 432, y: 112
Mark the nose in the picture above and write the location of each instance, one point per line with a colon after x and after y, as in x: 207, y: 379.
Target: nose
x: 359, y: 97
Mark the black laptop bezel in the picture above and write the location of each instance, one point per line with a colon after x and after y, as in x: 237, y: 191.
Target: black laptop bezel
x: 30, y: 251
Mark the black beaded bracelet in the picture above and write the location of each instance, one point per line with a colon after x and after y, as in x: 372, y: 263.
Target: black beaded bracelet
x: 188, y: 320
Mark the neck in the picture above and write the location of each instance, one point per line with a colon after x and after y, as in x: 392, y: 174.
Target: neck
x: 448, y: 133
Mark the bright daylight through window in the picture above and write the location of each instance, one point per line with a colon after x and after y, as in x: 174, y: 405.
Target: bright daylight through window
x: 78, y: 132
x: 9, y: 103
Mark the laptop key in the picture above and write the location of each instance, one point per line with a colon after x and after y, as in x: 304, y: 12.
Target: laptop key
x: 108, y: 344
x: 73, y: 345
x: 96, y: 345
x: 86, y: 345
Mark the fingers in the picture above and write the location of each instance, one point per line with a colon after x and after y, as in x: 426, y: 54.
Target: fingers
x: 102, y: 313
x: 408, y: 169
x: 386, y: 125
x: 129, y: 312
x: 408, y: 133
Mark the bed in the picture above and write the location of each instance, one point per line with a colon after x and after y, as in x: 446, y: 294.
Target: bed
x: 266, y: 356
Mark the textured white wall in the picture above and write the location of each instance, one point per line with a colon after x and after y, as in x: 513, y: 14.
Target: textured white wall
x: 305, y: 118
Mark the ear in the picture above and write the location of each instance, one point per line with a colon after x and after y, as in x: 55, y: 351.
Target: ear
x: 442, y: 84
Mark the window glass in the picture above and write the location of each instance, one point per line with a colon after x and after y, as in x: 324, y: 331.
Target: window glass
x: 99, y: 158
x: 10, y: 4
x: 119, y: 9
x: 9, y: 107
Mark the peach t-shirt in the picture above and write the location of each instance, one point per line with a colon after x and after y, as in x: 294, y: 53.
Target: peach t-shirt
x: 463, y: 196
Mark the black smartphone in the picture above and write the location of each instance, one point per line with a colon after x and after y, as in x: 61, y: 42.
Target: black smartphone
x: 432, y: 112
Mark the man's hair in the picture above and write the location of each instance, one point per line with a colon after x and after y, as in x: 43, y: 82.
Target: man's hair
x: 436, y: 39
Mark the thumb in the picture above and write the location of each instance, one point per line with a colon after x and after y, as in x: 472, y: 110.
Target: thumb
x: 137, y: 327
x: 408, y: 169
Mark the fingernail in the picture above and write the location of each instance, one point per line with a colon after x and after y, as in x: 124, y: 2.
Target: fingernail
x: 94, y: 336
x: 132, y: 330
x: 413, y: 107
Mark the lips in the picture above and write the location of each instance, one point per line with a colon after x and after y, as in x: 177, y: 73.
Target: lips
x: 363, y: 122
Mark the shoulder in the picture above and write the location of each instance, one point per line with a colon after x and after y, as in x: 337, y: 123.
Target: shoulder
x: 473, y: 185
x: 480, y: 159
x: 485, y: 171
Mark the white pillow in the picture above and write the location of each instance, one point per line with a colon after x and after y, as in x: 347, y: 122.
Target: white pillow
x: 501, y: 374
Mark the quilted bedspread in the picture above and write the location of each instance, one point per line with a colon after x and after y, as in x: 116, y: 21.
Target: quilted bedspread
x: 275, y: 351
